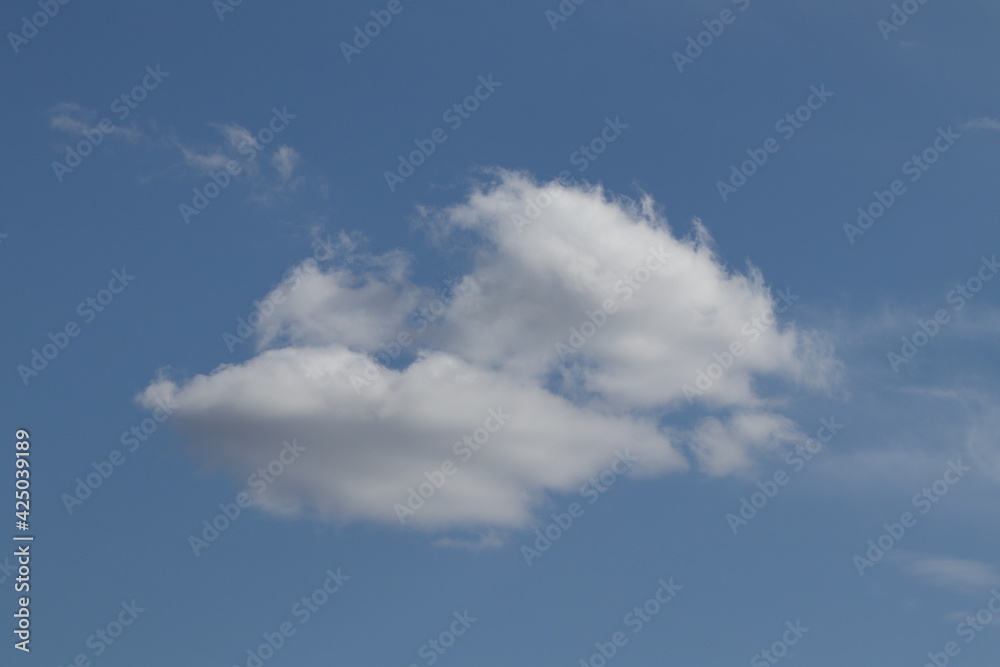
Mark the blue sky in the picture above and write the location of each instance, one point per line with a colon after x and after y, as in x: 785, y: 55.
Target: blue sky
x: 622, y: 296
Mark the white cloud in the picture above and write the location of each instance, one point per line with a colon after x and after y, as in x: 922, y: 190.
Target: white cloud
x: 243, y: 148
x: 71, y: 118
x: 724, y: 448
x: 982, y: 124
x: 239, y: 142
x: 981, y: 440
x: 239, y: 145
x: 284, y: 161
x: 958, y: 574
x: 364, y: 451
x: 955, y: 617
x: 203, y: 162
x: 360, y: 306
x: 486, y: 540
x: 496, y: 344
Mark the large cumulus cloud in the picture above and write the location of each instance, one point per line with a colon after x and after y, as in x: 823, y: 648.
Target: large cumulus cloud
x: 583, y: 320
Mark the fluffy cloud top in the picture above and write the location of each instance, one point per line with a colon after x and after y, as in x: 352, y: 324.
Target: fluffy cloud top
x: 582, y: 323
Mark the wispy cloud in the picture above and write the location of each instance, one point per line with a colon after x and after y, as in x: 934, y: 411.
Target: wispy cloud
x: 71, y: 118
x: 982, y: 124
x: 285, y: 160
x: 270, y: 178
x: 960, y: 575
